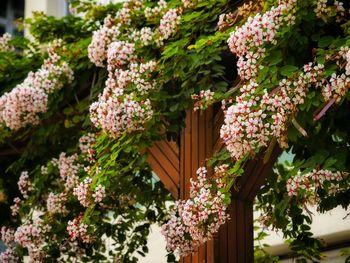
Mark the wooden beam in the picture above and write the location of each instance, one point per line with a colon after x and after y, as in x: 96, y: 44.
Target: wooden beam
x: 164, y: 159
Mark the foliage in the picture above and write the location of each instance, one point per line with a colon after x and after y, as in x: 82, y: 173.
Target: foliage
x: 152, y: 59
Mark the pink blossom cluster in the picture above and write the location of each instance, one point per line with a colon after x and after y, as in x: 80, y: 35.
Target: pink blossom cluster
x: 22, y: 105
x: 155, y: 11
x: 136, y: 78
x: 253, y: 120
x: 143, y: 37
x: 345, y: 54
x: 337, y: 86
x: 5, y: 45
x: 117, y: 115
x: 86, y: 143
x: 82, y: 192
x: 264, y: 219
x: 32, y: 236
x: 123, y: 106
x: 16, y: 206
x: 324, y: 11
x: 194, y: 221
x: 99, y: 194
x: 168, y: 25
x: 205, y: 211
x: 7, y: 235
x: 120, y: 53
x: 68, y: 168
x: 307, y: 184
x: 189, y: 3
x: 226, y: 20
x: 203, y: 99
x: 78, y: 230
x: 25, y: 233
x: 176, y: 233
x: 24, y: 184
x: 109, y: 32
x: 248, y: 40
x: 9, y: 256
x: 55, y: 203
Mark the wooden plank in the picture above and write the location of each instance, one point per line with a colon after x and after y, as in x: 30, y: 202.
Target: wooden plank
x: 222, y: 257
x: 174, y: 147
x: 169, y: 184
x: 187, y: 155
x: 249, y: 168
x: 210, y: 252
x: 168, y: 152
x: 164, y: 162
x: 232, y: 229
x: 249, y: 232
x: 217, y: 123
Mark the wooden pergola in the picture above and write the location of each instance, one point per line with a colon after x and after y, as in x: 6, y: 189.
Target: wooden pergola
x: 175, y: 163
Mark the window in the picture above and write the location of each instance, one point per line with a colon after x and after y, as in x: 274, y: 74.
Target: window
x: 10, y: 10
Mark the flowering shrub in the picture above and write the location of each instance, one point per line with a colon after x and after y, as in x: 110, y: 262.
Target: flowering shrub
x: 138, y: 66
x: 26, y: 101
x: 5, y: 45
x: 195, y: 220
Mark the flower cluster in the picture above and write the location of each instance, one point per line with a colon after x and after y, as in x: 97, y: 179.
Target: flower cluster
x: 9, y: 256
x: 324, y: 11
x: 176, y: 233
x: 100, y: 194
x: 337, y: 86
x: 168, y: 25
x: 123, y: 106
x: 68, y: 168
x: 155, y: 11
x: 78, y: 230
x: 86, y: 143
x: 16, y: 206
x: 5, y: 45
x: 7, y: 235
x: 136, y: 78
x: 203, y: 99
x: 82, y: 192
x: 306, y: 185
x: 248, y: 40
x: 117, y: 115
x: 226, y: 20
x: 22, y: 105
x: 32, y: 236
x: 254, y: 119
x: 195, y: 220
x: 55, y: 203
x: 97, y: 50
x: 120, y: 53
x: 24, y: 184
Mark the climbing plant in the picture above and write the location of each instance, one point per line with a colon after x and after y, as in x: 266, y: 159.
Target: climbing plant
x: 83, y: 100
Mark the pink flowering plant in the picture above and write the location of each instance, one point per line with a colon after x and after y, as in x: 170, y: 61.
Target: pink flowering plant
x: 76, y: 177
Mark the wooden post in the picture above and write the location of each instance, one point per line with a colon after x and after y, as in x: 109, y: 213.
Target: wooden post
x: 177, y: 164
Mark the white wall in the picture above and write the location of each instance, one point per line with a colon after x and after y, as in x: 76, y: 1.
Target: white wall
x: 56, y: 8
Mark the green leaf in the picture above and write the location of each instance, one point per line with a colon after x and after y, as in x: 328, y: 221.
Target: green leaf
x: 325, y: 41
x: 288, y: 70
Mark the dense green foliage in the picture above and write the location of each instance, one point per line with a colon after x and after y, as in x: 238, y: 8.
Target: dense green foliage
x: 195, y: 58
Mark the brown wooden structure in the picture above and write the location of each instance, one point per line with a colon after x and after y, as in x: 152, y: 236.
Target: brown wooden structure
x: 177, y: 164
